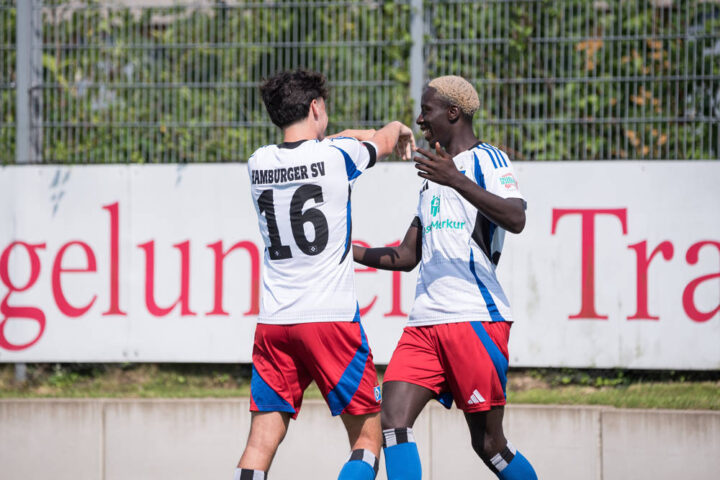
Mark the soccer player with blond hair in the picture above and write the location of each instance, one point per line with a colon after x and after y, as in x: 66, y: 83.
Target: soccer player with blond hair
x: 455, y: 346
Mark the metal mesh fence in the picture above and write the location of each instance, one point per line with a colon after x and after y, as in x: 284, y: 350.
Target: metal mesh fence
x: 7, y: 81
x: 582, y: 79
x: 163, y: 81
x: 180, y: 83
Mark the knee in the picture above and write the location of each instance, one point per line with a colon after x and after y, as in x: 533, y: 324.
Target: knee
x: 487, y: 446
x: 393, y: 418
x: 266, y: 441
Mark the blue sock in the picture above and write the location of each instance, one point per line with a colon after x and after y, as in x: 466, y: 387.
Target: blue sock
x: 402, y: 460
x: 362, y: 465
x: 511, y: 465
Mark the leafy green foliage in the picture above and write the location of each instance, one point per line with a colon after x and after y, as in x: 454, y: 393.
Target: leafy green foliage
x: 576, y: 79
x: 180, y: 84
x: 7, y: 79
x: 581, y: 79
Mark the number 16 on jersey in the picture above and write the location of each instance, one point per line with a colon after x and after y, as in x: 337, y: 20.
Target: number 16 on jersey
x: 298, y: 219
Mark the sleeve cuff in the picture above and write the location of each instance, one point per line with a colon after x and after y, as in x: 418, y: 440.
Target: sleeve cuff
x: 372, y: 149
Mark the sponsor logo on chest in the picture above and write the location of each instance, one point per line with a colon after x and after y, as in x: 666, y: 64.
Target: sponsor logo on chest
x: 447, y: 224
x: 434, y: 205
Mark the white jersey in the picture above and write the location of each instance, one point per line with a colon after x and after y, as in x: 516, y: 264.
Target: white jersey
x: 301, y: 191
x: 460, y: 247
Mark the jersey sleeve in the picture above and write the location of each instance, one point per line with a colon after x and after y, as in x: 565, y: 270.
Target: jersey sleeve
x: 359, y: 156
x: 495, y: 173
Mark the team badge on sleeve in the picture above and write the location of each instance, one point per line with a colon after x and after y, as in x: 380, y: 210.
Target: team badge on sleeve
x: 509, y: 182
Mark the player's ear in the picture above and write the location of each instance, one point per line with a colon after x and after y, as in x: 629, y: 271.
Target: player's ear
x: 315, y: 108
x: 453, y: 113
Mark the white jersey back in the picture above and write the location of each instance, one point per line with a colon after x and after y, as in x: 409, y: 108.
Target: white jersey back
x: 301, y: 192
x: 460, y: 247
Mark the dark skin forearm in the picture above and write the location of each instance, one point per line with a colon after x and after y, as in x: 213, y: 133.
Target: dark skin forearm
x: 404, y: 257
x: 508, y: 213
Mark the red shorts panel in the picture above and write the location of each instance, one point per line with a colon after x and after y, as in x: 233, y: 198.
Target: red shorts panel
x: 467, y: 360
x: 336, y: 355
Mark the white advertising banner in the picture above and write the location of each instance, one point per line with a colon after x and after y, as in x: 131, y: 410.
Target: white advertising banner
x: 618, y: 265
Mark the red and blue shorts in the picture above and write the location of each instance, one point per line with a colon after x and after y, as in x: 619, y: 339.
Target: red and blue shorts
x: 465, y: 361
x: 336, y: 355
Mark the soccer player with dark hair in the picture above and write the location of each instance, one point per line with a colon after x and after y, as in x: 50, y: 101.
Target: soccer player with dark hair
x: 309, y: 323
x: 456, y: 343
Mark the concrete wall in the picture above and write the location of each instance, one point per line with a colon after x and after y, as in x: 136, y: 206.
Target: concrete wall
x: 203, y: 438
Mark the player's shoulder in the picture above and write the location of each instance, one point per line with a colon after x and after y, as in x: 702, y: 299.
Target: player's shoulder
x: 341, y: 138
x: 490, y: 155
x: 341, y: 142
x: 264, y: 150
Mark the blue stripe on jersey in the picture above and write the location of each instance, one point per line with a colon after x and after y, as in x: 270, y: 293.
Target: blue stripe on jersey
x: 489, y: 302
x: 479, y: 177
x: 266, y: 399
x: 498, y: 359
x: 486, y: 150
x: 339, y: 397
x: 350, y: 167
x: 496, y: 151
x: 502, y: 156
x: 348, y: 222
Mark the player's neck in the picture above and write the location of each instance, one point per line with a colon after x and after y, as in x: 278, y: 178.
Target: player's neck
x: 461, y: 141
x: 304, y: 130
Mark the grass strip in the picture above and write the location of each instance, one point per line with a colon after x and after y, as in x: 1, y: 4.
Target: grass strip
x: 617, y: 388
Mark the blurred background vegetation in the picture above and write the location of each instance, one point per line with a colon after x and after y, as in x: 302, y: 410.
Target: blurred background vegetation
x: 558, y: 80
x: 618, y: 388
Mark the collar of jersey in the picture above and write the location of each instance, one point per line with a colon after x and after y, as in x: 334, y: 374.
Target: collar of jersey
x: 292, y: 144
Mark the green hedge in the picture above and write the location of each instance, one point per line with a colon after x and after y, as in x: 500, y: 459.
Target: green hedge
x: 558, y: 80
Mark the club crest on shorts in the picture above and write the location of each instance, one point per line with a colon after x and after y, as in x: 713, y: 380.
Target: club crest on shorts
x: 378, y: 393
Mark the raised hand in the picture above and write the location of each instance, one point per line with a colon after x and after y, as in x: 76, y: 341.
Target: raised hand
x: 406, y: 143
x: 438, y: 167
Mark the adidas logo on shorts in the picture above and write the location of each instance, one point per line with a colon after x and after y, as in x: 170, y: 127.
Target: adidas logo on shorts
x: 475, y: 398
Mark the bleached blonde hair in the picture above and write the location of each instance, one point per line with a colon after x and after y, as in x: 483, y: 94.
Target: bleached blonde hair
x: 457, y: 91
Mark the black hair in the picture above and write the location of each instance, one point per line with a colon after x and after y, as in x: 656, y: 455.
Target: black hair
x: 287, y: 95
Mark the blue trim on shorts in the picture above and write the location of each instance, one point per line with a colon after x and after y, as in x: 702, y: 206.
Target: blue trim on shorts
x: 266, y: 399
x: 341, y: 395
x: 498, y: 359
x: 445, y: 399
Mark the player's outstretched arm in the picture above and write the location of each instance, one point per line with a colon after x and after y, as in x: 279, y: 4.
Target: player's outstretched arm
x: 394, y: 136
x: 508, y: 213
x: 404, y: 257
x: 361, y: 135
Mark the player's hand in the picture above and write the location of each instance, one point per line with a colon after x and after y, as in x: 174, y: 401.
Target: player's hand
x: 361, y: 135
x: 438, y: 167
x: 406, y: 143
